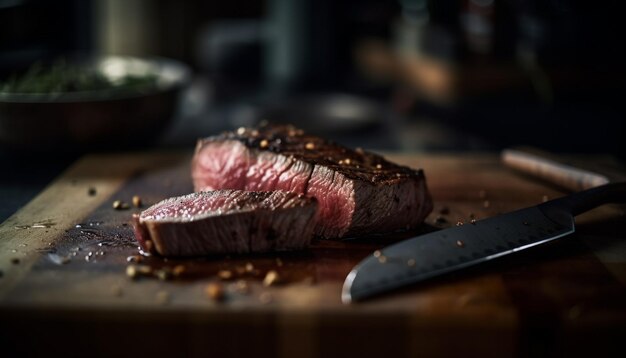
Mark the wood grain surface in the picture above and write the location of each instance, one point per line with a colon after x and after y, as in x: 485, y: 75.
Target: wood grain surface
x: 64, y: 288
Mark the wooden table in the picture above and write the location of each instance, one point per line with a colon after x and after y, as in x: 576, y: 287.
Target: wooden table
x: 64, y: 289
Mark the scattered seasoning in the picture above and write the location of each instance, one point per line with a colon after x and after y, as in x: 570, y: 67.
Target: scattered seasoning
x: 225, y: 275
x: 271, y: 278
x: 215, y: 291
x: 266, y: 298
x: 264, y: 144
x: 136, y: 201
x: 410, y: 262
x: 144, y: 270
x: 163, y: 297
x: 242, y: 287
x: 309, y: 146
x: 444, y: 210
x: 377, y: 253
x: 249, y: 267
x: 382, y: 259
x: 473, y: 222
x: 120, y: 205
x: 179, y: 270
x: 15, y: 261
x: 544, y: 198
x: 241, y: 131
x: 164, y: 274
x: 459, y: 223
x: 134, y: 271
x: 91, y: 191
x: 134, y: 259
x: 486, y: 204
x: 460, y: 243
x: 440, y: 220
x: 131, y: 271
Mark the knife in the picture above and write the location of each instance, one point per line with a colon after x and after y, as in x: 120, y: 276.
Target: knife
x: 430, y: 255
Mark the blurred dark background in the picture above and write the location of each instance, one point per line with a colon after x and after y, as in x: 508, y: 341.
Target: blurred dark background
x: 410, y: 75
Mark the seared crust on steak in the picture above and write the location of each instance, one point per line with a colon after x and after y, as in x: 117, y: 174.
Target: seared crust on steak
x: 358, y: 192
x: 292, y: 142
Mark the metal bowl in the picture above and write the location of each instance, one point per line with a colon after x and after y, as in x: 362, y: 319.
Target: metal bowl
x: 111, y: 118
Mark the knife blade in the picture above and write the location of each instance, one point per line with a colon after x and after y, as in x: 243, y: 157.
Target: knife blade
x: 426, y: 256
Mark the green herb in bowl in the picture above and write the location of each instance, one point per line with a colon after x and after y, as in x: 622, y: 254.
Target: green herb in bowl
x: 90, y: 103
x: 65, y: 77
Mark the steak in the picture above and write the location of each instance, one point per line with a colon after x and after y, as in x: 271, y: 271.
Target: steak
x: 226, y: 221
x: 358, y: 192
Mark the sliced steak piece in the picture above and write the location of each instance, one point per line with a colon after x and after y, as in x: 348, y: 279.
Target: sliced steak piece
x: 227, y: 221
x: 359, y: 193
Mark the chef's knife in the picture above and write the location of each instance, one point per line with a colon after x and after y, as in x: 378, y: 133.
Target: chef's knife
x: 426, y: 256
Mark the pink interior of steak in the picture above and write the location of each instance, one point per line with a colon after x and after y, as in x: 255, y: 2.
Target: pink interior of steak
x: 219, y: 202
x: 230, y: 164
x: 336, y: 201
x: 226, y: 221
x: 358, y: 192
x: 225, y: 168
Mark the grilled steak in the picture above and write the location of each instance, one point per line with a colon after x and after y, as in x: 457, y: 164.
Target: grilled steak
x: 358, y: 192
x: 226, y: 221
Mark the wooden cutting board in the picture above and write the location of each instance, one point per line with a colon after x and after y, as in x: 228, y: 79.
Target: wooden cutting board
x: 64, y: 288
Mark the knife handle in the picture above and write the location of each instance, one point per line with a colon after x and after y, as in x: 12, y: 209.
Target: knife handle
x: 586, y: 200
x: 547, y: 167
